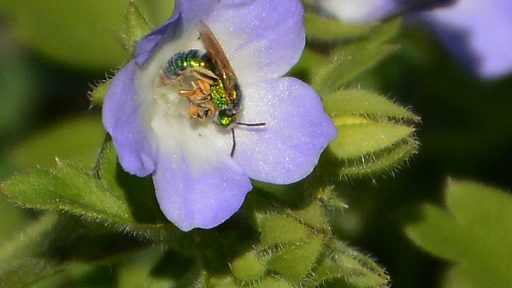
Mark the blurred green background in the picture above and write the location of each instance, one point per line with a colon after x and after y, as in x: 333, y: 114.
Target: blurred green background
x: 51, y: 52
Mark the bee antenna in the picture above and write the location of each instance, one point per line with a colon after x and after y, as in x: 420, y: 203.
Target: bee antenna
x: 233, y: 134
x: 251, y: 124
x: 234, y: 142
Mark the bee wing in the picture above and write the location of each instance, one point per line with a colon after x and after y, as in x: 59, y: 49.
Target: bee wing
x: 219, y: 58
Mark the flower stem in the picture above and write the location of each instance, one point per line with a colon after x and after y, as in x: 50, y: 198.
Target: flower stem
x: 95, y: 172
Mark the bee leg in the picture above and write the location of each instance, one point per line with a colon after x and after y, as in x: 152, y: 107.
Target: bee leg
x: 204, y: 86
x: 196, y: 111
x: 233, y: 146
x: 200, y: 92
x: 201, y: 110
x: 188, y: 92
x: 208, y: 107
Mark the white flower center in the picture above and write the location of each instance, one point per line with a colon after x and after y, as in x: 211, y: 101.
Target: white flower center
x: 166, y: 112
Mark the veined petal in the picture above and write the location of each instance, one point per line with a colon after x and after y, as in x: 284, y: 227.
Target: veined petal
x: 297, y: 130
x: 199, y: 196
x: 123, y: 119
x: 263, y: 39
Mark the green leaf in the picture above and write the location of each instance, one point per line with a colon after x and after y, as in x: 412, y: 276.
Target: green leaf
x: 367, y: 104
x: 136, y: 270
x: 248, y: 267
x: 76, y: 139
x: 294, y: 262
x: 351, y: 59
x: 326, y: 29
x: 380, y: 162
x: 348, y: 267
x: 27, y: 240
x: 475, y: 234
x: 276, y: 229
x: 13, y: 217
x: 308, y: 59
x: 138, y: 192
x: 461, y: 197
x: 347, y: 62
x: 71, y: 189
x: 428, y: 218
x: 222, y: 282
x: 272, y: 282
x: 358, y: 137
x: 66, y: 188
x: 23, y: 273
x: 136, y: 27
x: 87, y: 38
x: 78, y: 275
x: 97, y: 95
x: 386, y: 30
x: 373, y: 134
x: 312, y: 215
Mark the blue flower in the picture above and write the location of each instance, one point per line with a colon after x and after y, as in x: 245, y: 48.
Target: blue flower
x: 476, y: 32
x: 198, y: 182
x: 479, y: 33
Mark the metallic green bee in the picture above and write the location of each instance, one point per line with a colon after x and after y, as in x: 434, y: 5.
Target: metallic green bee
x: 208, y: 81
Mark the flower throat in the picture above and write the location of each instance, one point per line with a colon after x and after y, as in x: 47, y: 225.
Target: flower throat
x: 208, y: 81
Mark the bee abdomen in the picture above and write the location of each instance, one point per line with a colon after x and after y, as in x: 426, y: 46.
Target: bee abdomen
x: 184, y: 60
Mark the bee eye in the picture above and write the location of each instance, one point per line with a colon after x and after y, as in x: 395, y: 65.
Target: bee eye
x: 228, y: 112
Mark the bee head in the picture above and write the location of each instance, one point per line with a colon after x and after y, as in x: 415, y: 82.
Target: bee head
x: 225, y: 117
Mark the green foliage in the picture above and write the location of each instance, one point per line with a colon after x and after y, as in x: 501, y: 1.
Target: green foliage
x: 97, y: 94
x: 67, y: 188
x: 327, y: 29
x: 281, y: 229
x: 304, y: 255
x: 374, y: 134
x: 18, y: 266
x: 50, y: 29
x: 26, y: 241
x: 18, y: 89
x: 474, y: 234
x: 348, y: 60
x: 70, y: 188
x: 364, y: 103
x: 364, y: 138
x: 248, y: 267
x: 136, y: 27
x: 24, y: 273
x: 295, y: 261
x: 135, y: 270
x: 347, y: 265
x: 268, y: 245
x: 75, y: 140
x: 13, y: 219
x: 379, y: 163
